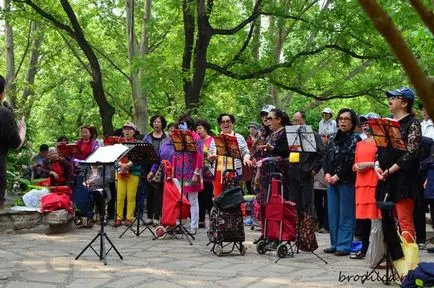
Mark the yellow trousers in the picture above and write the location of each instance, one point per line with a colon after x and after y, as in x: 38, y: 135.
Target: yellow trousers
x: 127, y: 188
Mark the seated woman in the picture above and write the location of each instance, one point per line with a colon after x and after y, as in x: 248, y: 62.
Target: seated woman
x: 57, y: 168
x: 97, y: 194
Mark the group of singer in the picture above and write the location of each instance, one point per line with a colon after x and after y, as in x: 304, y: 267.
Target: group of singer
x: 340, y: 184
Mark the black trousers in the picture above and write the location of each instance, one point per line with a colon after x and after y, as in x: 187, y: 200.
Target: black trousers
x: 205, y: 200
x: 111, y: 212
x: 320, y: 199
x: 365, y: 231
x: 419, y: 220
x: 301, y: 189
x: 96, y: 200
x: 154, y: 202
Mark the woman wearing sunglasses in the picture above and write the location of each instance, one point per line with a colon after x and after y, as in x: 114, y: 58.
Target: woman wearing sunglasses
x: 221, y: 163
x: 398, y: 170
x: 338, y: 173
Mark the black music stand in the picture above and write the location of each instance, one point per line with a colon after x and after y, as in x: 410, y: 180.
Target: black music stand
x: 302, y: 139
x: 140, y: 153
x: 108, y: 156
x: 182, y: 142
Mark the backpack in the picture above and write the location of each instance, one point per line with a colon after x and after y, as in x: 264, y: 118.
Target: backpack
x: 422, y: 276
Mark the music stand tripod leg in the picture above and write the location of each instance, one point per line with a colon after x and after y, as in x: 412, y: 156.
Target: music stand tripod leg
x: 137, y: 220
x: 102, y: 255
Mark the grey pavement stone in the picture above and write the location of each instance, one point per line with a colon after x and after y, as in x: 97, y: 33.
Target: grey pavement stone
x: 38, y: 260
x: 22, y: 284
x: 88, y: 283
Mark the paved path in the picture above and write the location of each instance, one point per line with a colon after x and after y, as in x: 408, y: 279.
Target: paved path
x: 38, y: 260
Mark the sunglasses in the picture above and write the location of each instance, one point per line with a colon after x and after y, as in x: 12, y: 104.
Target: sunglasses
x: 393, y: 97
x: 225, y: 122
x: 270, y: 118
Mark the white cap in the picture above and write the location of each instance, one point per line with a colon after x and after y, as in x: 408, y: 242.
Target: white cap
x: 267, y: 108
x: 327, y: 110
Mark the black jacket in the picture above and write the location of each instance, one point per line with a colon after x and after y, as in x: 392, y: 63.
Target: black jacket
x: 339, y: 157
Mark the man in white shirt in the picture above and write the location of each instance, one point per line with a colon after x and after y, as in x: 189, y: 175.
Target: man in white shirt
x: 327, y: 126
x: 427, y: 124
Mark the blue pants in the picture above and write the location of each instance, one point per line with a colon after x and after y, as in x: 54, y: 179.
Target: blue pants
x: 341, y: 211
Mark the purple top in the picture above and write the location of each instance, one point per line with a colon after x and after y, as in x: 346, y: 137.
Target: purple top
x: 165, y: 153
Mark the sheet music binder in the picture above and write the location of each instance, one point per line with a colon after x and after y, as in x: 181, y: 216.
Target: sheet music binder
x: 387, y: 133
x: 301, y: 138
x: 227, y: 145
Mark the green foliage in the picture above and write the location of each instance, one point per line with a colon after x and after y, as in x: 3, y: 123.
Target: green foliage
x: 63, y: 99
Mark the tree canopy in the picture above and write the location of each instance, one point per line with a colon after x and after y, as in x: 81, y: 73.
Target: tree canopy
x: 105, y: 62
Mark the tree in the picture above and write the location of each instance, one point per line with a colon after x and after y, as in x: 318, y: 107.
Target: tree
x: 423, y: 84
x: 105, y: 108
x: 10, y: 57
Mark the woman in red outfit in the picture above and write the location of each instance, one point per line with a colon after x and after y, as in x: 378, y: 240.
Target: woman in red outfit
x: 366, y: 183
x: 87, y: 143
x: 57, y: 168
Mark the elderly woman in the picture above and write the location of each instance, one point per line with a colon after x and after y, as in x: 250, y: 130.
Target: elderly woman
x: 221, y: 163
x: 57, y: 168
x: 275, y: 153
x: 155, y: 190
x: 128, y: 180
x: 339, y: 175
x: 398, y: 170
x: 188, y: 168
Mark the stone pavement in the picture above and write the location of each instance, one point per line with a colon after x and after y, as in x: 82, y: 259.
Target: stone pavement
x: 39, y: 260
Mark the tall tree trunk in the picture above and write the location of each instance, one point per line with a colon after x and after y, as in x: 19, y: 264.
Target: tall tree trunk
x: 188, y: 18
x: 10, y: 58
x: 200, y: 51
x: 133, y: 53
x: 142, y: 105
x: 105, y: 109
x: 35, y: 49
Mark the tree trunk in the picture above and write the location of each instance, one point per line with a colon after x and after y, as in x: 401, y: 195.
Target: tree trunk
x: 10, y: 58
x: 200, y: 51
x: 142, y: 105
x: 105, y: 109
x: 188, y: 18
x: 133, y: 54
x: 35, y: 50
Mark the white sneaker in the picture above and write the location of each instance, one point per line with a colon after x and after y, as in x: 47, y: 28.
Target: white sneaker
x: 155, y: 222
x: 3, y: 277
x: 148, y: 221
x: 193, y: 231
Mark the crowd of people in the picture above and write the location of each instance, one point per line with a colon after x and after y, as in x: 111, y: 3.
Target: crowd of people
x: 340, y: 184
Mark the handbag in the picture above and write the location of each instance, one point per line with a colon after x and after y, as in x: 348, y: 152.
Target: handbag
x: 306, y: 239
x: 411, y: 256
x: 376, y: 249
x: 158, y: 174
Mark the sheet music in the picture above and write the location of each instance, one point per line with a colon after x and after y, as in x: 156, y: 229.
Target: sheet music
x: 307, y: 143
x: 107, y: 154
